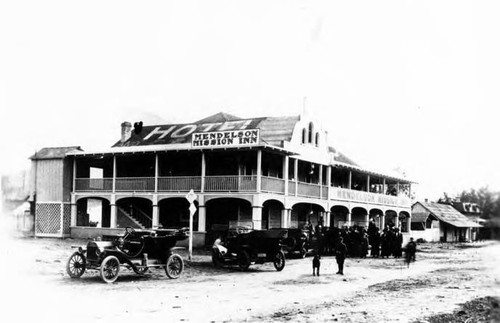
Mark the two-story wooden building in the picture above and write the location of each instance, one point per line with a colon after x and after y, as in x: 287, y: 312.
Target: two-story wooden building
x: 269, y: 172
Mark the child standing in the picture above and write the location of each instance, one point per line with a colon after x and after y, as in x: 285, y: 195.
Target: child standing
x: 316, y: 264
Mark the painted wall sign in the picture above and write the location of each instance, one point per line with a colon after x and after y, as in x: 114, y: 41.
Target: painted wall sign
x: 234, y: 138
x: 183, y: 133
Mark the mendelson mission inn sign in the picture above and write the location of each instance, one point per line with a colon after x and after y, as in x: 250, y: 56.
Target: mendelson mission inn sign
x: 216, y: 134
x: 226, y: 138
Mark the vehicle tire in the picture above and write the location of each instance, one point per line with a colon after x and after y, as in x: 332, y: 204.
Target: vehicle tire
x: 216, y: 260
x: 279, y: 261
x: 110, y: 269
x: 303, y: 252
x: 243, y: 260
x: 174, y: 266
x: 75, y: 267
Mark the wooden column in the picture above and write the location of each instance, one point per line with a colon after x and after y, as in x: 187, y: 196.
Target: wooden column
x: 285, y: 173
x: 259, y: 170
x: 203, y: 172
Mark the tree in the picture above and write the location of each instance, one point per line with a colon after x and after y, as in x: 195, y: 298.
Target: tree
x: 488, y: 201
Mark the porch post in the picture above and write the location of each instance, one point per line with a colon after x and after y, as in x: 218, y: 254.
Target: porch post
x: 326, y: 219
x: 382, y: 221
x: 397, y: 189
x: 113, y: 217
x: 368, y: 183
x: 320, y: 181
x: 328, y: 180
x: 349, y: 183
x: 202, y: 214
x: 156, y: 176
x: 284, y: 218
x: 285, y: 173
x: 396, y: 221
x: 349, y: 218
x: 203, y: 172
x: 73, y: 210
x: 74, y: 175
x: 296, y: 174
x: 114, y: 174
x: 155, y: 223
x: 257, y: 217
x: 259, y: 169
x: 384, y: 191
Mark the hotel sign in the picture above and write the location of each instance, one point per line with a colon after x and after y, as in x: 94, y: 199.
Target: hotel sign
x: 232, y: 133
x: 235, y: 138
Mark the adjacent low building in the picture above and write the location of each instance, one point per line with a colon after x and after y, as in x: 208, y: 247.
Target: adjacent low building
x: 263, y: 173
x: 440, y: 222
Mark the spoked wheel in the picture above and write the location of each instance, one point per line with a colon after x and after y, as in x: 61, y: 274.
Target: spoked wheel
x: 75, y: 267
x: 279, y: 261
x: 110, y: 269
x: 174, y: 266
x: 243, y: 260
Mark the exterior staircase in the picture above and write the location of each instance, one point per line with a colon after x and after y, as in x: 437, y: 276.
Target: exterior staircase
x: 138, y: 220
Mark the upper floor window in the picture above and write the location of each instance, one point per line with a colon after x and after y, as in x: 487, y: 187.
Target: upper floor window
x: 304, y: 135
x: 317, y: 139
x: 311, y: 128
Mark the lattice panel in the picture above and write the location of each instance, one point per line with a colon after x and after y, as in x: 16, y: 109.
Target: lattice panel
x: 48, y: 218
x: 66, y: 218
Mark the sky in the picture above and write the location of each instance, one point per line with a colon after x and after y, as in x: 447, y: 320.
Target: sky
x: 412, y: 85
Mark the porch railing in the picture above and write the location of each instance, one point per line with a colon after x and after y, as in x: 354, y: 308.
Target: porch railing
x: 135, y: 184
x: 273, y: 185
x: 337, y: 193
x: 93, y: 184
x: 308, y: 190
x: 179, y: 183
x: 245, y: 183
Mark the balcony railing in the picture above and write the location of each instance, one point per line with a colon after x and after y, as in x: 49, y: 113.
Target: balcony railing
x: 308, y: 190
x: 337, y: 193
x: 273, y: 185
x: 135, y: 184
x: 246, y: 183
x: 179, y: 183
x: 93, y: 184
x: 235, y: 183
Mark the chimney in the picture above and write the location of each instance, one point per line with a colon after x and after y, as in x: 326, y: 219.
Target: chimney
x: 126, y: 131
x: 426, y: 200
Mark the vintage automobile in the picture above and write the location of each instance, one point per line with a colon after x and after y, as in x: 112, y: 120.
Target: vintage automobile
x: 297, y: 241
x: 242, y: 247
x: 137, y: 250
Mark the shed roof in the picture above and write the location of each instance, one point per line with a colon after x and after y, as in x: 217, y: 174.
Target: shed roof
x: 54, y: 152
x: 447, y: 214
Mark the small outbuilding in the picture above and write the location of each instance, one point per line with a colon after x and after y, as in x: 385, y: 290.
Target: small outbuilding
x: 440, y: 222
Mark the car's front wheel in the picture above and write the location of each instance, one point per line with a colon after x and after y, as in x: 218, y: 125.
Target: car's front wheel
x: 174, y: 266
x: 243, y: 260
x: 110, y: 269
x: 279, y: 261
x: 75, y: 267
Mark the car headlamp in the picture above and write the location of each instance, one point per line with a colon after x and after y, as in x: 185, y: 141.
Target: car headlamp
x: 98, y: 252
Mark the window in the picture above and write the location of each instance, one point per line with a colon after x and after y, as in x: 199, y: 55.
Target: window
x: 310, y: 132
x: 317, y: 139
x: 304, y: 134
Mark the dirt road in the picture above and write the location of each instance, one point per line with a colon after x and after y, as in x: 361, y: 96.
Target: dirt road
x: 35, y: 286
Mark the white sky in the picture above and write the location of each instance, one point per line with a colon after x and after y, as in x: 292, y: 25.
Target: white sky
x: 409, y: 84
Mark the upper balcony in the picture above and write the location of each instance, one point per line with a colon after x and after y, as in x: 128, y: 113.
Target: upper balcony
x: 235, y: 184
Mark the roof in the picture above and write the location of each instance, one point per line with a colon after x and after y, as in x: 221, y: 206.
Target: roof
x: 54, y: 152
x: 218, y: 117
x: 447, y: 214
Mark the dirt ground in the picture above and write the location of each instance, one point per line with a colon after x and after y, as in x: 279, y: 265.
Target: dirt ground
x: 35, y: 286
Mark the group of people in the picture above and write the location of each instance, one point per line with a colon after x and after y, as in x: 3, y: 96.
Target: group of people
x: 356, y: 241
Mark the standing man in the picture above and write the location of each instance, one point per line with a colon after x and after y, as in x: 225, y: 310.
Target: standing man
x: 340, y: 253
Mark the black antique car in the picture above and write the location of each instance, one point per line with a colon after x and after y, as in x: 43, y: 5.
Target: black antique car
x: 297, y: 241
x: 137, y: 250
x: 242, y: 247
